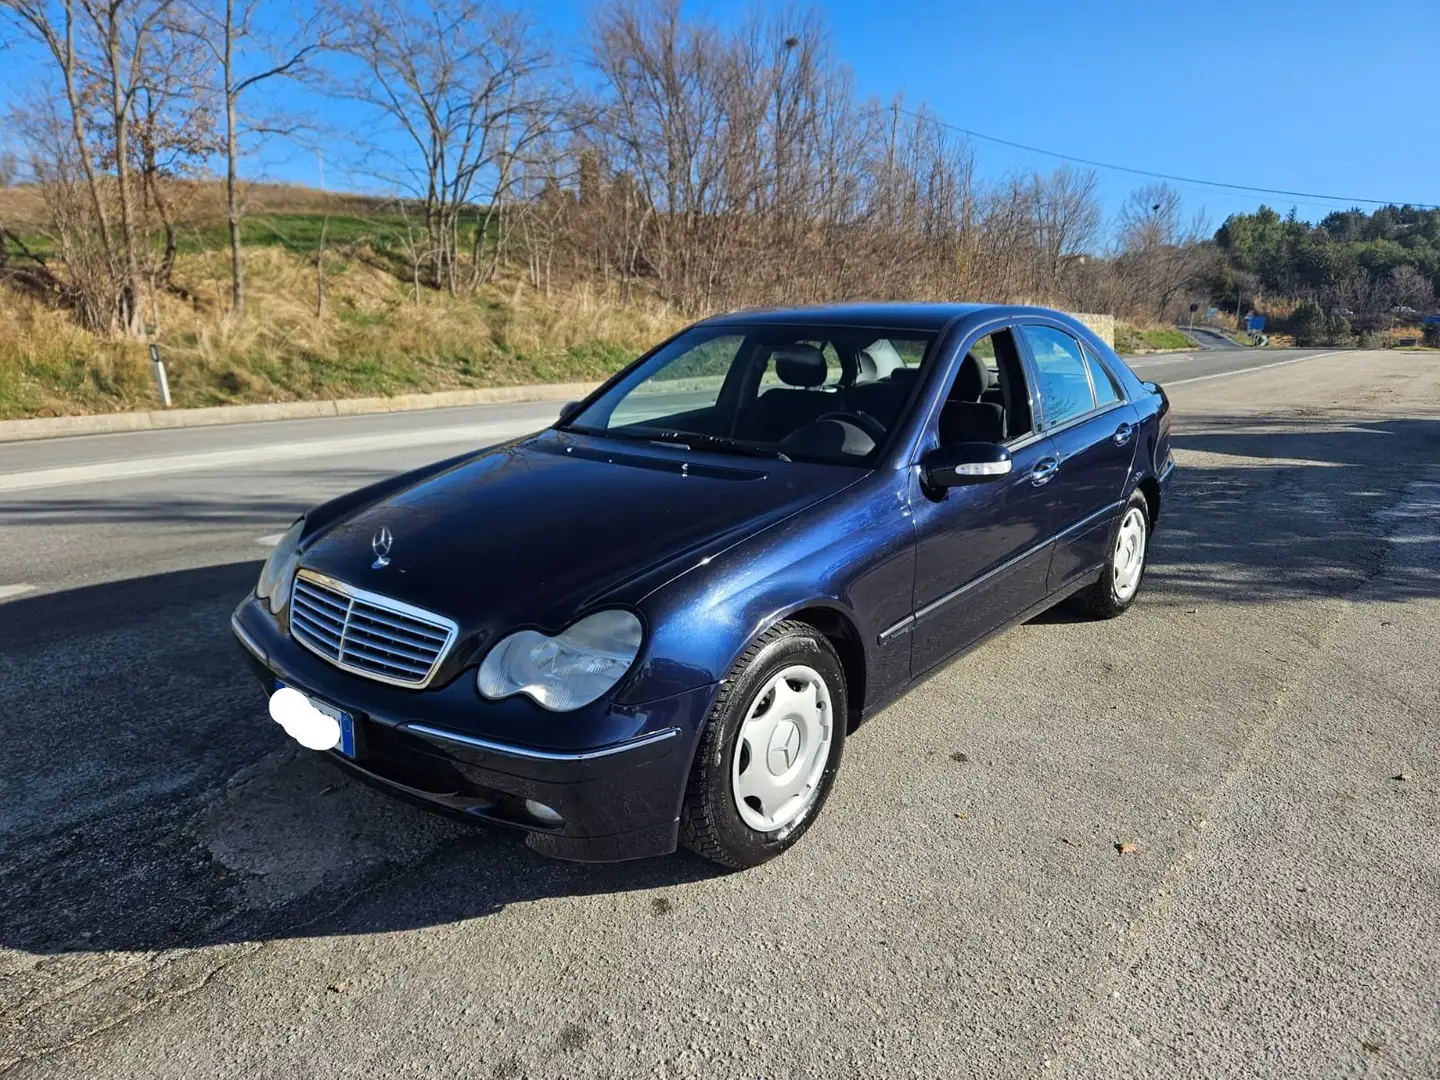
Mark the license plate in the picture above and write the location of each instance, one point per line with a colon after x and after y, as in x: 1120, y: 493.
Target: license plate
x: 340, y: 716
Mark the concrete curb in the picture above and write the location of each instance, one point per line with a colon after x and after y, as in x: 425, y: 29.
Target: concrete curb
x: 50, y: 427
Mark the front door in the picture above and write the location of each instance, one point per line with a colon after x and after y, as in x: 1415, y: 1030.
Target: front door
x: 982, y: 552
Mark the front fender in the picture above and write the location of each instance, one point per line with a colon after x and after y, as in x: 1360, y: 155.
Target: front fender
x: 852, y: 559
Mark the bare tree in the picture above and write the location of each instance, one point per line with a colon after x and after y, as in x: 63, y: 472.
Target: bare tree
x: 246, y: 56
x: 1068, y: 223
x: 1408, y: 287
x: 174, y: 133
x: 668, y: 83
x: 104, y: 55
x: 1159, y: 251
x: 468, y: 90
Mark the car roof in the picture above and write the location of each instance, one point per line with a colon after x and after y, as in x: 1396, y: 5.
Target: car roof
x: 897, y: 316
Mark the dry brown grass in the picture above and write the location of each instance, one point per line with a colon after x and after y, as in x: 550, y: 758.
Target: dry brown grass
x: 21, y: 208
x: 373, y: 338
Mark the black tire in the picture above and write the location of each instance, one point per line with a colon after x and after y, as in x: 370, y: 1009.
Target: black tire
x: 1100, y: 600
x: 710, y: 824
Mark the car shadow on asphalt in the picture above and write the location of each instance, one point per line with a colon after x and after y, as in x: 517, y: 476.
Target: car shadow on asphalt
x: 1297, y: 510
x: 56, y: 508
x: 150, y: 804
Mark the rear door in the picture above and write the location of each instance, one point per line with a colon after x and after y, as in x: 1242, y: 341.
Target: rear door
x: 1092, y: 428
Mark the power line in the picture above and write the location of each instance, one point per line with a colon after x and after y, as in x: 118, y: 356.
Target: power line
x: 1248, y: 188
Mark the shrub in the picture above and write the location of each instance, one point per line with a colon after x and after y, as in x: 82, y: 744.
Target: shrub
x: 1432, y: 335
x: 1308, y: 324
x: 1337, y: 331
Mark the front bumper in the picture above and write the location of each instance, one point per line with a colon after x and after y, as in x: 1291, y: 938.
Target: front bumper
x: 618, y: 799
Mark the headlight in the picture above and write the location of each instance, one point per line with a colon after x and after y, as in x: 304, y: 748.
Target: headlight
x: 566, y: 671
x: 279, y: 569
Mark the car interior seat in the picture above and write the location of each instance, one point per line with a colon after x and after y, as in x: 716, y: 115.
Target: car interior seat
x: 780, y: 410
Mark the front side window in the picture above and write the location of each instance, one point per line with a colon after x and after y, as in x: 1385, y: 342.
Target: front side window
x: 780, y: 391
x: 987, y: 401
x: 1064, y: 382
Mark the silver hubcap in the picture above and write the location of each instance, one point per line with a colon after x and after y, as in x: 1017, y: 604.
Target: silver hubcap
x: 781, y: 750
x: 1129, y: 553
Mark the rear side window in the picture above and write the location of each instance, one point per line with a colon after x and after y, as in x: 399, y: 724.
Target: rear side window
x: 1107, y: 391
x: 1064, y: 382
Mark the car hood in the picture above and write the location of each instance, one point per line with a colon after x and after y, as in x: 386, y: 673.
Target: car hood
x: 533, y: 533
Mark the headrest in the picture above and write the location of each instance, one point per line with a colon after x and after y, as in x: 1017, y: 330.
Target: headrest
x: 800, y: 365
x: 971, y: 380
x: 879, y: 359
x: 869, y: 369
x: 971, y: 421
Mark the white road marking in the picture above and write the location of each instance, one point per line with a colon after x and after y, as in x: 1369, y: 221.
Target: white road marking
x: 8, y: 592
x: 1246, y: 371
x: 478, y: 435
x: 269, y: 541
x: 1161, y: 362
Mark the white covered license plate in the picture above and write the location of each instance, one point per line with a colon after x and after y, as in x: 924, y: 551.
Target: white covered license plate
x: 311, y: 722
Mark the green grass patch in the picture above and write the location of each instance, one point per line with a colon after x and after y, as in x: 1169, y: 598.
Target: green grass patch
x: 388, y: 234
x: 1134, y: 339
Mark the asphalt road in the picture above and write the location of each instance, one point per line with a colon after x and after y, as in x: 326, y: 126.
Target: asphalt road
x: 1207, y: 338
x: 184, y: 893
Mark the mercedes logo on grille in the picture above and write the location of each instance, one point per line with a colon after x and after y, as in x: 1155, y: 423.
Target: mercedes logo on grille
x: 380, y: 544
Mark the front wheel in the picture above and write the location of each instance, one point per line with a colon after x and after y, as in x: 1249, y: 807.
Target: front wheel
x: 770, y: 749
x: 1114, y: 591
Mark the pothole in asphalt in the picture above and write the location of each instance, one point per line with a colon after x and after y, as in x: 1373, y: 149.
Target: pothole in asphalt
x: 293, y: 823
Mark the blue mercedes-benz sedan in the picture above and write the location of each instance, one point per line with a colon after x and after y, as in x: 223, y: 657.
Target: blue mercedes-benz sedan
x: 657, y: 621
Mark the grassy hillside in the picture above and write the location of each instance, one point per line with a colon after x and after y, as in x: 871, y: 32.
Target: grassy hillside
x: 372, y: 339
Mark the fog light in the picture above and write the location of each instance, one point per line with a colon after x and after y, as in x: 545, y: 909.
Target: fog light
x: 542, y: 813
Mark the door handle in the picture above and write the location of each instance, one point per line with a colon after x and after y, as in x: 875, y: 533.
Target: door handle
x: 1044, y: 470
x: 1123, y: 433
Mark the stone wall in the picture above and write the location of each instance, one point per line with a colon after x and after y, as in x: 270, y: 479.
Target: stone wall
x: 1103, y: 325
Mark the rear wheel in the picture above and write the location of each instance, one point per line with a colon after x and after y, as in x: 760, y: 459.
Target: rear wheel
x: 770, y: 749
x: 1115, y: 590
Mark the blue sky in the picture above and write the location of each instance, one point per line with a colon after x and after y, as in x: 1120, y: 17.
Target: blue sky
x: 1327, y: 96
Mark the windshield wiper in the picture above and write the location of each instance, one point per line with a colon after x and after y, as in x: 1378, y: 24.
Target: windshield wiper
x: 689, y: 440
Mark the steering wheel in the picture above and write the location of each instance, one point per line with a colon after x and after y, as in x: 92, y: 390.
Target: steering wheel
x: 864, y: 421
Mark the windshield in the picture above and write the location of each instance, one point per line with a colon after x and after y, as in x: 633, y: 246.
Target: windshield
x: 803, y: 393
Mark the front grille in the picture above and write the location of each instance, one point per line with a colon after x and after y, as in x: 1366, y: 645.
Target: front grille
x: 368, y: 634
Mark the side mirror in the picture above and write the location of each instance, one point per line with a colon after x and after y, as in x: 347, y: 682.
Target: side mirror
x: 965, y: 463
x: 568, y: 412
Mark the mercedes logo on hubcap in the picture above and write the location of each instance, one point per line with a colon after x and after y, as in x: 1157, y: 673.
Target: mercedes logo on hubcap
x: 784, y: 747
x: 380, y: 544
